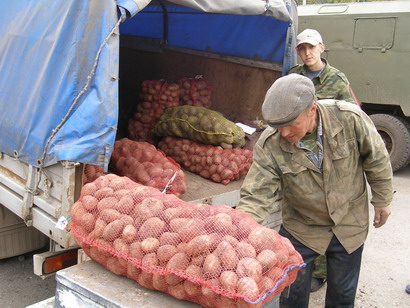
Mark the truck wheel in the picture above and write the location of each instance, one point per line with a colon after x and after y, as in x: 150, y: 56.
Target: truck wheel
x: 396, y: 136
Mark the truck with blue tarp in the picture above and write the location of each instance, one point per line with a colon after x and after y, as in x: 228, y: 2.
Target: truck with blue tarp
x: 71, y: 72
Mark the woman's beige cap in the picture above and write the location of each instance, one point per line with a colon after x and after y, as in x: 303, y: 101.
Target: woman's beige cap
x: 309, y: 36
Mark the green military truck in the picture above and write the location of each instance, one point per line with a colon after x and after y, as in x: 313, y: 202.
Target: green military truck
x: 369, y: 42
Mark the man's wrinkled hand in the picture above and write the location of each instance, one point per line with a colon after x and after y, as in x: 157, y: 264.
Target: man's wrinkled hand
x: 380, y: 215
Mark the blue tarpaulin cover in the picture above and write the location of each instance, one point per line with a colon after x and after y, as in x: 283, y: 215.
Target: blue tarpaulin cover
x: 257, y: 37
x: 47, y: 53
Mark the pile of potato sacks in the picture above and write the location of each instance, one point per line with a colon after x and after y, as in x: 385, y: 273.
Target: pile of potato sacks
x: 211, y: 255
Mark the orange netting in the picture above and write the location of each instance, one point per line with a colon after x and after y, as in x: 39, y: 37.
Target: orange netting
x: 211, y: 162
x: 145, y: 164
x: 211, y: 255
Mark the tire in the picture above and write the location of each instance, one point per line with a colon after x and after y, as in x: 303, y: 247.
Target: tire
x: 396, y: 136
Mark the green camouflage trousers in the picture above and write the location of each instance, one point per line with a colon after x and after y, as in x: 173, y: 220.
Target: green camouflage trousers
x: 319, y: 270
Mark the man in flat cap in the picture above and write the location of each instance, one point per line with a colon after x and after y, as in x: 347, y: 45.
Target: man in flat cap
x: 330, y: 83
x: 316, y: 157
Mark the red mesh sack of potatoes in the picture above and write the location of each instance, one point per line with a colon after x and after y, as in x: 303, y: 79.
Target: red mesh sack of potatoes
x: 215, y: 256
x: 91, y: 172
x: 195, y: 91
x: 211, y: 162
x: 144, y: 163
x: 155, y: 97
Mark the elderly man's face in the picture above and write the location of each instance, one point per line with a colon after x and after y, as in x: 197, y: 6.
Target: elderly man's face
x: 304, y: 124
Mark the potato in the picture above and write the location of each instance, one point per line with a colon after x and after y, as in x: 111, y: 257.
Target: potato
x: 145, y: 279
x: 90, y: 203
x: 207, y: 290
x: 171, y: 238
x: 288, y: 244
x: 77, y: 211
x: 179, y: 261
x: 87, y: 221
x: 182, y: 247
x: 89, y: 189
x: 173, y: 279
x: 125, y: 205
x: 212, y: 266
x: 107, y: 203
x: 275, y: 273
x: 295, y: 258
x: 198, y: 245
x: 114, y: 266
x: 99, y: 227
x: 192, y: 228
x: 133, y: 272
x: 150, y: 207
x: 267, y: 258
x: 229, y: 280
x: 109, y: 215
x: 177, y: 291
x: 219, y: 222
x: 136, y: 250
x: 152, y: 227
x: 126, y: 219
x: 282, y: 258
x: 231, y: 240
x: 249, y: 267
x: 129, y: 234
x: 171, y: 213
x: 150, y: 259
x: 248, y: 287
x: 245, y: 250
x: 263, y: 238
x: 121, y: 247
x: 166, y: 252
x: 113, y: 230
x: 105, y: 192
x: 159, y: 283
x: 96, y: 254
x: 149, y: 245
x: 229, y: 258
x: 177, y: 224
x: 191, y: 288
x: 198, y: 260
x: 266, y: 284
x: 194, y: 272
x: 119, y: 194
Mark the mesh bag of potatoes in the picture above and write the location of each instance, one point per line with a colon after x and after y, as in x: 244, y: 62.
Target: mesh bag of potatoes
x: 155, y: 97
x: 211, y: 162
x: 201, y: 125
x: 195, y: 91
x: 91, y: 172
x: 215, y: 256
x: 144, y: 163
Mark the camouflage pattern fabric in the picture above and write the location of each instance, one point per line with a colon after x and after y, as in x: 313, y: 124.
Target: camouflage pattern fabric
x: 320, y: 268
x: 330, y: 84
x: 315, y: 205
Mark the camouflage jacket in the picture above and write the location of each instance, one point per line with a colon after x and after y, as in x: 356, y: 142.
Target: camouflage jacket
x: 330, y: 84
x: 317, y: 205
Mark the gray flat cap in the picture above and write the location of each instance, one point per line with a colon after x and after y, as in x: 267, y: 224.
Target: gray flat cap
x: 287, y: 98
